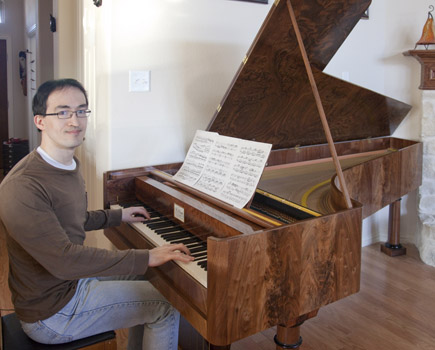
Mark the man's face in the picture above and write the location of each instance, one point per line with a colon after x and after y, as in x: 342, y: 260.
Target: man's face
x: 63, y: 134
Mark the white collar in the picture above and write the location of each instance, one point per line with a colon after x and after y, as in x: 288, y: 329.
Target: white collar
x: 54, y: 162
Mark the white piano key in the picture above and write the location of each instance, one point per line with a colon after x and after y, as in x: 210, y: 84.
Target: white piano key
x: 192, y: 268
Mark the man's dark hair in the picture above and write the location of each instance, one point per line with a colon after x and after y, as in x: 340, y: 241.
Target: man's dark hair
x: 39, y: 104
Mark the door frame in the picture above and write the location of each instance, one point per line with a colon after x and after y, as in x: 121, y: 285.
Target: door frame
x: 31, y: 44
x: 10, y: 96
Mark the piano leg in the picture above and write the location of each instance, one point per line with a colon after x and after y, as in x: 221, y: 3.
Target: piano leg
x: 393, y: 247
x: 289, y: 336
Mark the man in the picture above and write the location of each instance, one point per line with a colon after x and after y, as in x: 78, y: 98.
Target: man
x: 61, y: 289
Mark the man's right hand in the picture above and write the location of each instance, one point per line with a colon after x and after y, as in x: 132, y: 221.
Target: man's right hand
x: 160, y: 255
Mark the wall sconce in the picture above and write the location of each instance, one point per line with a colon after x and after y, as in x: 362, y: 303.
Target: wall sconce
x: 427, y: 37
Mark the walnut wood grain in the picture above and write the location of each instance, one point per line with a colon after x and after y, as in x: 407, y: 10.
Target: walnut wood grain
x: 216, y: 202
x: 319, y: 106
x: 314, y: 152
x: 270, y: 99
x: 200, y: 216
x: 384, y: 180
x: 393, y: 247
x: 375, y: 183
x: 264, y: 278
x: 119, y: 184
x: 268, y: 277
x: 276, y: 275
x: 427, y: 62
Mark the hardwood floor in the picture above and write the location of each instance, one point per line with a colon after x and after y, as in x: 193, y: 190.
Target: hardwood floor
x: 395, y: 309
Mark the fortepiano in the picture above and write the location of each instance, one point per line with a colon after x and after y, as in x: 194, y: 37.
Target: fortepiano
x: 297, y: 247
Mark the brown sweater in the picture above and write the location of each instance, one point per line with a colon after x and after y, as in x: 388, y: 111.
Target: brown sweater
x: 44, y: 210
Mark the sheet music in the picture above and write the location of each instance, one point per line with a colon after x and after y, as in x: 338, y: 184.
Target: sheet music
x: 224, y: 167
x: 196, y: 157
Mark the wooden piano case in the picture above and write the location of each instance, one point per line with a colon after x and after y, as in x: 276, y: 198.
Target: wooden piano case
x: 260, y: 275
x: 256, y: 277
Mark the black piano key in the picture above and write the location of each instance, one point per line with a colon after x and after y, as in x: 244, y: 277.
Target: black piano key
x: 199, y: 255
x: 168, y: 229
x: 178, y: 235
x: 203, y: 264
x: 199, y: 249
x: 175, y: 233
x: 173, y: 236
x: 185, y: 240
x: 156, y: 219
x: 152, y: 212
x: 157, y: 225
x: 193, y: 245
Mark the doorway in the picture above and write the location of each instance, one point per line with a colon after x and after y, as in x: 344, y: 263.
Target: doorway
x: 4, y: 126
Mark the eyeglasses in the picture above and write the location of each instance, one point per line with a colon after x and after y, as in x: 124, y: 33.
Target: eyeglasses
x: 81, y: 113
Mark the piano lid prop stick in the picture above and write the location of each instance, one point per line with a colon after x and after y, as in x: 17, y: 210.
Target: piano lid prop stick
x: 243, y: 213
x: 319, y: 106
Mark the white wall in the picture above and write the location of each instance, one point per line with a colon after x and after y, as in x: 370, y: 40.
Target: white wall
x: 372, y: 56
x: 193, y: 49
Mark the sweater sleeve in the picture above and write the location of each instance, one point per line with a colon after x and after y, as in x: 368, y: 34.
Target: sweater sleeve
x: 99, y: 219
x: 32, y: 224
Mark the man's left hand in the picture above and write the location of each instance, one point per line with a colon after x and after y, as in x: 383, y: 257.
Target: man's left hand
x: 135, y: 214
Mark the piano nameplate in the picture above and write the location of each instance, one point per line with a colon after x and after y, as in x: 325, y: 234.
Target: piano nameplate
x: 178, y: 212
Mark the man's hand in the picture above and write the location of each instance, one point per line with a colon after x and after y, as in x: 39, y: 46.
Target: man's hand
x: 160, y: 255
x: 135, y: 214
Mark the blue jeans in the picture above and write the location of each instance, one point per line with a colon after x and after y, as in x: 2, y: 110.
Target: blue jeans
x: 103, y: 304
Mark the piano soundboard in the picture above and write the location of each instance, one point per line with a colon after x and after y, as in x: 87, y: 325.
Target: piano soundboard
x: 159, y: 230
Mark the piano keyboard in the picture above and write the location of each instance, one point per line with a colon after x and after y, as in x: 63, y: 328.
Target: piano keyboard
x: 160, y: 230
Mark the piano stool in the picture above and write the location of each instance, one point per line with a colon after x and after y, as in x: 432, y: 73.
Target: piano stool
x: 14, y: 338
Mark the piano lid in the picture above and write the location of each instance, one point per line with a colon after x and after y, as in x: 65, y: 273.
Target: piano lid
x: 271, y: 100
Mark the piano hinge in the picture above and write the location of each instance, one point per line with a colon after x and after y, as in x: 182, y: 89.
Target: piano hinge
x: 219, y: 108
x: 298, y: 148
x: 245, y: 59
x: 276, y: 2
